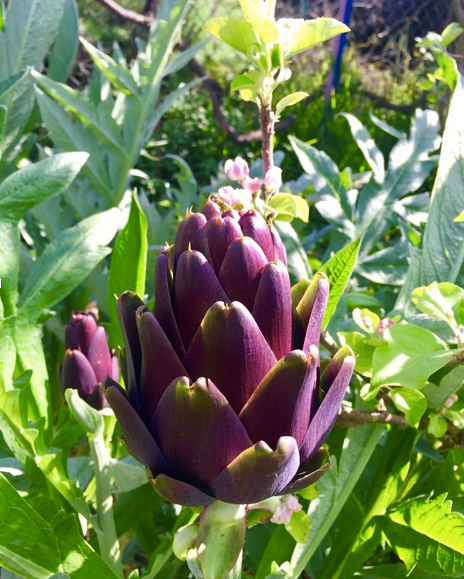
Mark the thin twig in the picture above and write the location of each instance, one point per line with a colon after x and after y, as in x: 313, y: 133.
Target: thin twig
x: 349, y: 417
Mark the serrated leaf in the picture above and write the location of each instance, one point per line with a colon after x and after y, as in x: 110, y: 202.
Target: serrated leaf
x: 117, y: 74
x: 18, y: 193
x: 386, y: 127
x: 99, y: 119
x: 424, y: 532
x: 183, y: 58
x: 408, y: 356
x: 290, y: 100
x: 367, y: 146
x: 443, y: 239
x: 236, y: 32
x: 61, y: 58
x: 335, y: 487
x: 67, y: 261
x: 339, y: 269
x: 297, y: 35
x: 412, y: 403
x: 35, y: 549
x: 30, y: 29
x: 37, y: 182
x: 128, y: 265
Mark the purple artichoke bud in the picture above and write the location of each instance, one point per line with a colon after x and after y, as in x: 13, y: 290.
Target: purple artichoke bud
x: 224, y: 396
x: 87, y: 359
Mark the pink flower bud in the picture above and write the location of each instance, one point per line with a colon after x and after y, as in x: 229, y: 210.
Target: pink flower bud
x: 231, y: 196
x: 236, y: 170
x: 273, y: 179
x: 383, y: 325
x: 252, y: 185
x: 451, y: 400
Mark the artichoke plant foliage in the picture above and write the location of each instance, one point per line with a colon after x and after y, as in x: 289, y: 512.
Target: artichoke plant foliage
x: 224, y: 396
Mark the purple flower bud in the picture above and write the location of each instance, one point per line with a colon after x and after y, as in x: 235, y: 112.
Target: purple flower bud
x: 225, y: 395
x: 236, y: 170
x: 87, y: 360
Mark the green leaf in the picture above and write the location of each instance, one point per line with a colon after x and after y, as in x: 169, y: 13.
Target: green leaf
x: 17, y: 102
x: 412, y: 403
x: 257, y: 16
x: 36, y: 549
x: 408, y: 166
x: 278, y: 550
x: 72, y: 135
x: 30, y: 29
x: 220, y: 539
x: 298, y: 262
x: 290, y: 205
x: 88, y: 417
x: 298, y: 527
x: 367, y: 146
x: 61, y: 58
x: 386, y: 127
x: 236, y: 32
x: 38, y: 182
x: 339, y: 269
x: 18, y: 193
x: 424, y: 532
x: 67, y: 261
x: 443, y: 239
x: 440, y: 301
x: 297, y: 35
x: 183, y: 58
x: 450, y: 384
x: 128, y: 474
x: 318, y: 164
x: 119, y: 76
x: 128, y: 265
x: 335, y: 487
x: 450, y: 33
x: 408, y: 356
x: 241, y: 81
x: 289, y: 100
x: 363, y: 351
x: 437, y: 426
x: 98, y: 119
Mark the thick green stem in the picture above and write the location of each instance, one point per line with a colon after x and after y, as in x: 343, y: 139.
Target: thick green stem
x: 107, y: 538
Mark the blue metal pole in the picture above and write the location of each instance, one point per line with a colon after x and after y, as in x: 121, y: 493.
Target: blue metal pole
x: 333, y: 80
